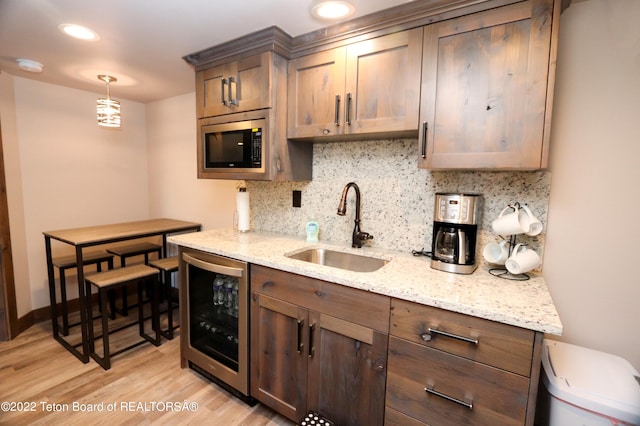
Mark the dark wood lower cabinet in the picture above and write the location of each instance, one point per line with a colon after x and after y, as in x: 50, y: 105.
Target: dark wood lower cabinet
x: 360, y: 358
x: 317, y: 355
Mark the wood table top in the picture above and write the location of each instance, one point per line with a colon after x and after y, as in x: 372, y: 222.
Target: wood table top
x: 101, y: 234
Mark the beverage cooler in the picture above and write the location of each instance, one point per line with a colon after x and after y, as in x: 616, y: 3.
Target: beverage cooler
x: 214, y: 303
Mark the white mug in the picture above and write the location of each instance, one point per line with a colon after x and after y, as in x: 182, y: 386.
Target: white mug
x: 535, y: 226
x: 515, y: 222
x: 522, y: 260
x: 496, y: 253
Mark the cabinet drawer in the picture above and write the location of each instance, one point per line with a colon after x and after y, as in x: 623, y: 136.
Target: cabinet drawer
x: 396, y: 418
x: 500, y: 345
x: 494, y: 396
x: 350, y: 304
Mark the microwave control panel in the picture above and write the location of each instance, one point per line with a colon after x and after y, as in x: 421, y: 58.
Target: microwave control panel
x: 256, y: 147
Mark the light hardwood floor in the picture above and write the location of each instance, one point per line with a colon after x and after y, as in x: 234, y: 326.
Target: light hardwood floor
x: 38, y: 374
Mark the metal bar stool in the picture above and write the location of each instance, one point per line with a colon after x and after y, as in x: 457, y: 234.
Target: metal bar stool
x: 167, y: 266
x: 125, y: 252
x: 69, y: 262
x: 120, y: 278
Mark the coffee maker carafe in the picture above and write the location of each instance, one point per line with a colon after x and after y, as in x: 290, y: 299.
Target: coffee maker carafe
x: 455, y: 227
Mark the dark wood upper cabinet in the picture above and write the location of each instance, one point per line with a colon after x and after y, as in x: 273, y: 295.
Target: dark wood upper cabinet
x: 365, y: 88
x: 487, y: 89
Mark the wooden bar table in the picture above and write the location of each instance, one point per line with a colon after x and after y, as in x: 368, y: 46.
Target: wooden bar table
x: 90, y: 236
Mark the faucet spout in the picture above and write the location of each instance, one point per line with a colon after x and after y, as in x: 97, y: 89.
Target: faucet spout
x: 358, y: 236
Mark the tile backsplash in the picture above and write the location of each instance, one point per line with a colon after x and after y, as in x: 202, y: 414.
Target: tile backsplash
x: 397, y: 198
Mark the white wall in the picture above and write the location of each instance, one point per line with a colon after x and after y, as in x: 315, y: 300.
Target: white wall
x: 592, y: 250
x: 174, y: 189
x: 72, y: 172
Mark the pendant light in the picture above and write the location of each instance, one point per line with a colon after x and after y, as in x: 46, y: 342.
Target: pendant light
x: 108, y: 109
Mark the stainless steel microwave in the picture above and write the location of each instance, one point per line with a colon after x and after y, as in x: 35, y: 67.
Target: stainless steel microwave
x: 232, y: 146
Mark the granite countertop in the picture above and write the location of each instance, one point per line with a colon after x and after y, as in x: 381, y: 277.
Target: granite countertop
x: 525, y: 304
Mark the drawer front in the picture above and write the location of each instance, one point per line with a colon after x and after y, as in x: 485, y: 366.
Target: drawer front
x: 396, y: 418
x: 467, y: 392
x: 350, y: 304
x: 500, y: 345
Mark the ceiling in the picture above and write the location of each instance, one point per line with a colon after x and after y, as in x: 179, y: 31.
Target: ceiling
x: 142, y: 42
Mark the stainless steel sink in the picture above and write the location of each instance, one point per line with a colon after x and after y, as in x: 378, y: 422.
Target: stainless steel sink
x: 341, y: 260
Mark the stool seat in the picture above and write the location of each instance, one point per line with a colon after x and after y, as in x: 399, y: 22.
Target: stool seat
x: 66, y: 262
x: 134, y: 249
x: 168, y: 264
x: 115, y: 278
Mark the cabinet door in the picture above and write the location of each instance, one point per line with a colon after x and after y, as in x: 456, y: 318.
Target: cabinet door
x: 279, y: 346
x: 210, y: 92
x: 347, y: 371
x: 315, y: 94
x: 383, y: 83
x: 485, y: 89
x: 238, y: 86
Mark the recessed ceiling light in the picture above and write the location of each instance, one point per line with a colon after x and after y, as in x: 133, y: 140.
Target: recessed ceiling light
x: 332, y: 9
x: 78, y: 31
x: 29, y: 65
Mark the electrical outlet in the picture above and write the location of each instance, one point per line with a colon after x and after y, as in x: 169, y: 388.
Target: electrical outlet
x: 297, y: 198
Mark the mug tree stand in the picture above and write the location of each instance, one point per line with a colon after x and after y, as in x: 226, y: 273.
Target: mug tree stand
x: 503, y: 272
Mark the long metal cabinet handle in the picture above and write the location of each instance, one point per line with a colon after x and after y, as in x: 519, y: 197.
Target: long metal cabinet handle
x: 425, y: 127
x: 428, y: 336
x: 432, y: 391
x: 347, y: 110
x: 232, y: 100
x: 300, y: 328
x: 312, y: 349
x: 222, y: 91
x: 212, y: 267
x: 336, y: 118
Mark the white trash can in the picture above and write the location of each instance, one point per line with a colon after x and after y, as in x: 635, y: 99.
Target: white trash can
x: 584, y: 387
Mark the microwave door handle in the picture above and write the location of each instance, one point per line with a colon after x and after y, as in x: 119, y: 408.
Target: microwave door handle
x: 212, y: 267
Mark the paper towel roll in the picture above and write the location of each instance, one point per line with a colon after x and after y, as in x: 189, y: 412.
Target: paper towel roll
x: 242, y: 207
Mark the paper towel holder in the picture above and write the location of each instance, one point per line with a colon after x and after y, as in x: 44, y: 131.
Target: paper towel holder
x: 241, y: 217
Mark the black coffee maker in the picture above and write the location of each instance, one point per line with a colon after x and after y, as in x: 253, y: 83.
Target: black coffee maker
x: 455, y: 228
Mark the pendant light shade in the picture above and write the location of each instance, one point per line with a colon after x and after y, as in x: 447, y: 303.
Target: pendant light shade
x: 108, y: 110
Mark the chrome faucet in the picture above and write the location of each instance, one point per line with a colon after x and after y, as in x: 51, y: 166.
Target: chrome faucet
x: 358, y: 235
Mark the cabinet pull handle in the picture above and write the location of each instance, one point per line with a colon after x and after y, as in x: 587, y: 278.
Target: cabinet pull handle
x: 428, y: 336
x: 347, y: 110
x: 222, y: 91
x: 300, y: 328
x: 464, y: 403
x: 312, y: 349
x: 232, y: 100
x: 336, y: 117
x: 423, y: 149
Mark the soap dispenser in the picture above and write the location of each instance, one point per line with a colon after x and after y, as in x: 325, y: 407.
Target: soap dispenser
x: 312, y: 231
